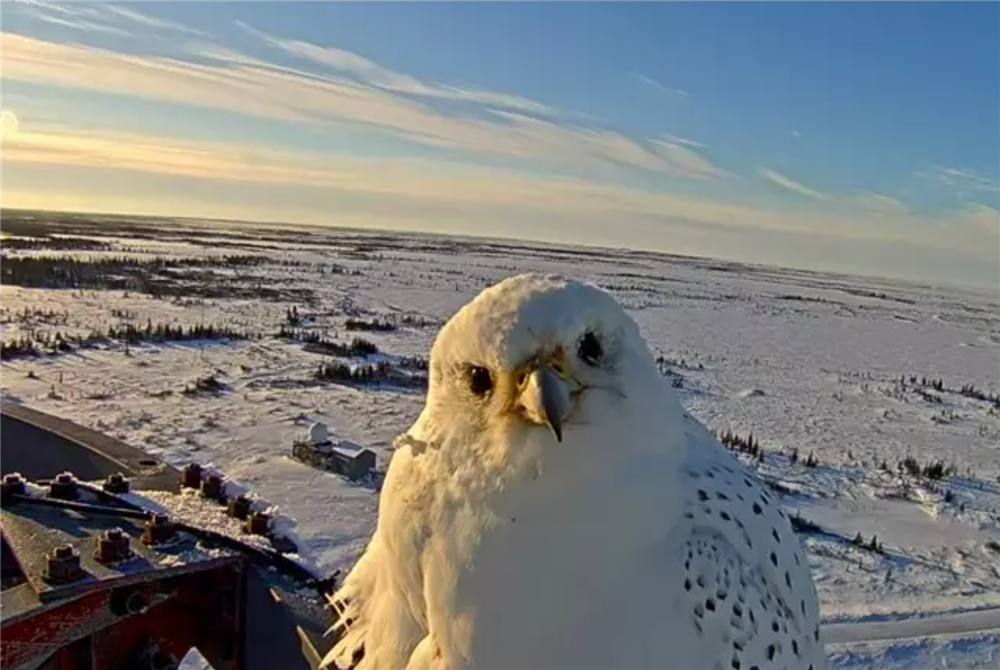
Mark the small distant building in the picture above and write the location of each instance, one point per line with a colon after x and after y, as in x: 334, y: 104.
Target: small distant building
x: 343, y: 457
x: 352, y: 460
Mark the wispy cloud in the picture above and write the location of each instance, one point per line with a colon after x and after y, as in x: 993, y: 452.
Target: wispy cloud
x: 674, y: 139
x: 133, y: 16
x: 963, y: 182
x: 874, y: 203
x: 371, y: 73
x: 791, y: 184
x: 250, y: 86
x: 684, y: 160
x: 879, y: 202
x: 461, y: 189
x: 82, y: 24
x: 101, y: 18
x: 677, y: 93
x: 794, y: 133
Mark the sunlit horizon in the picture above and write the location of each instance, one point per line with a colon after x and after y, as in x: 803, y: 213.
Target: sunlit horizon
x: 814, y: 137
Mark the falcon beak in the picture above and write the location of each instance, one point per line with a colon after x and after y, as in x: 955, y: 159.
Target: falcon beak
x: 545, y: 398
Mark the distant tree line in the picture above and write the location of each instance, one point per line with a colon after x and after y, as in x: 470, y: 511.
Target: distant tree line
x: 375, y: 325
x: 967, y: 390
x: 357, y: 347
x: 743, y: 445
x: 873, y: 545
x: 934, y: 470
x: 810, y: 462
x: 105, y: 272
x: 54, y: 244
x: 670, y: 362
x: 24, y: 346
x: 418, y: 363
x: 378, y: 373
x: 387, y: 324
x: 159, y: 277
x: 165, y: 332
x: 34, y: 315
x: 47, y: 342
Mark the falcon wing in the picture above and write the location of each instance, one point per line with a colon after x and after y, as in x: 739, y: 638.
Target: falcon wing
x: 746, y: 582
x: 381, y: 610
x: 736, y: 610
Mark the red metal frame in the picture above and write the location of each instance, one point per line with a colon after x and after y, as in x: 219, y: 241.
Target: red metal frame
x: 202, y: 609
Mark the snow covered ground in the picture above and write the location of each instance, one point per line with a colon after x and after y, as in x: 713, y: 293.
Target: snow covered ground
x: 841, y: 369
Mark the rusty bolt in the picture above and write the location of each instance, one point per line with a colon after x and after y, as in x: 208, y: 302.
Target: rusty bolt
x: 211, y: 488
x: 14, y: 479
x: 191, y: 476
x: 239, y: 507
x: 63, y: 486
x: 112, y: 546
x: 116, y: 483
x: 257, y: 523
x: 63, y: 565
x: 159, y: 529
x: 13, y: 484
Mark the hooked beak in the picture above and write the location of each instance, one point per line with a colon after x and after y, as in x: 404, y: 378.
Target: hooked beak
x: 545, y: 397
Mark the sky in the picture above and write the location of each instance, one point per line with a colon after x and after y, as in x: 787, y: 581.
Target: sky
x: 856, y: 137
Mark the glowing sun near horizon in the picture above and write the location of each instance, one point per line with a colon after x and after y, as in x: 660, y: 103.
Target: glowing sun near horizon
x: 8, y: 123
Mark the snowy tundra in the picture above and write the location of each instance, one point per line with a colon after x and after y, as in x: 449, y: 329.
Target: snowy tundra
x: 867, y: 406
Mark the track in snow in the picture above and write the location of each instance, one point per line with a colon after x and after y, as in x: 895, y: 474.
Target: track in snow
x: 975, y: 621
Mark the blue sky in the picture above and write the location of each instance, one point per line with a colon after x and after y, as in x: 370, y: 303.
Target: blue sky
x: 847, y: 136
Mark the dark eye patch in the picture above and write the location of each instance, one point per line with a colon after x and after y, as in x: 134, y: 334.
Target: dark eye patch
x: 480, y: 380
x: 589, y: 349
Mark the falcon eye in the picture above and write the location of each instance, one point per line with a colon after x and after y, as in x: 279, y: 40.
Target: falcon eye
x: 480, y: 380
x: 589, y: 349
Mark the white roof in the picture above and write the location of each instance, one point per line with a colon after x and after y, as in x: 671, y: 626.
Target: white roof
x: 348, y: 448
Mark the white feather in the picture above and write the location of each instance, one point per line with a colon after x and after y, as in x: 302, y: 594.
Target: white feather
x: 499, y: 547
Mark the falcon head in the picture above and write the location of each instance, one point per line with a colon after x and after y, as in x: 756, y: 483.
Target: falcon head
x: 541, y: 355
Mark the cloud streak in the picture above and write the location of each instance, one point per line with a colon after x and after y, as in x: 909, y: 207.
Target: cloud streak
x: 964, y: 183
x: 394, y: 184
x: 875, y: 203
x: 233, y: 82
x: 677, y: 93
x: 371, y: 73
x: 792, y: 185
x: 101, y: 18
x: 878, y: 202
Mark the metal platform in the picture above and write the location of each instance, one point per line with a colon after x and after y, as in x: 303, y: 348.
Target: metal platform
x: 152, y: 605
x: 40, y: 446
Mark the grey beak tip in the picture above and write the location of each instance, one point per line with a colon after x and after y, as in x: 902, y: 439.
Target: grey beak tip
x: 557, y: 430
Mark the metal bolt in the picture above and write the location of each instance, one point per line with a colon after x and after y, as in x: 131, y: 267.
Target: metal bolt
x: 239, y: 507
x: 191, y: 476
x: 63, y: 486
x: 13, y: 484
x: 257, y: 523
x: 211, y: 488
x: 63, y: 565
x: 112, y: 546
x: 159, y: 529
x: 116, y: 483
